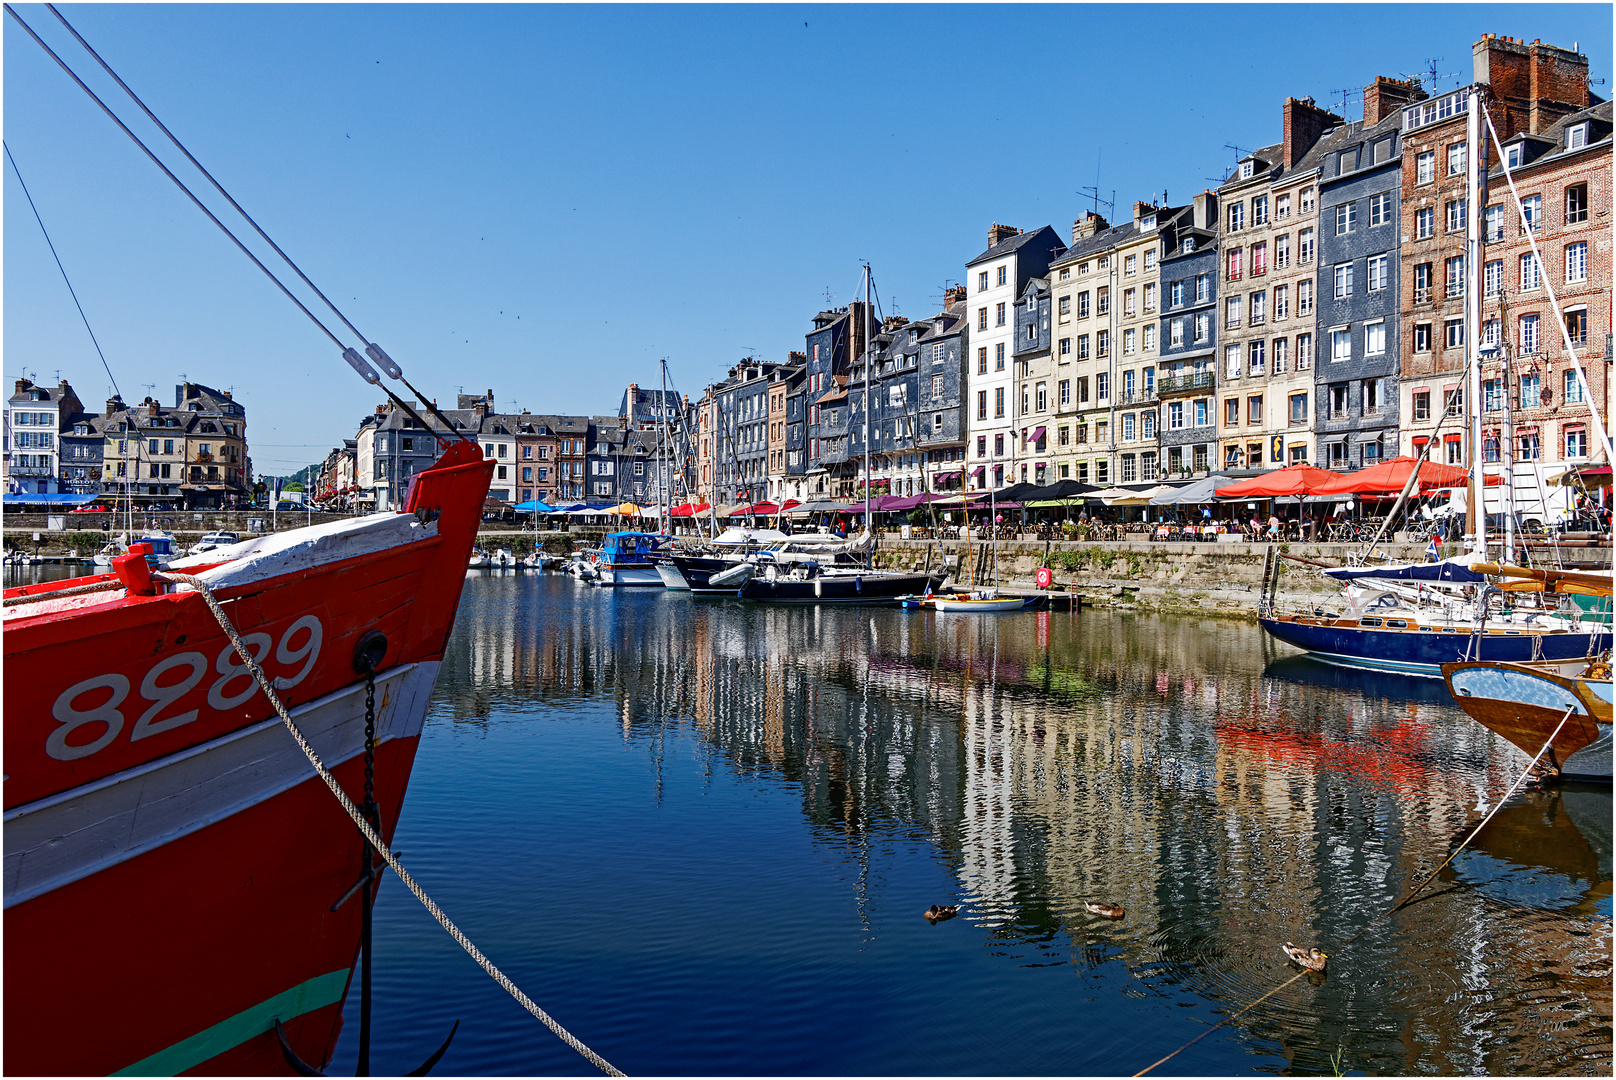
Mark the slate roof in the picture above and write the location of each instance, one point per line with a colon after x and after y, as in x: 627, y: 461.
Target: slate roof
x: 1015, y: 243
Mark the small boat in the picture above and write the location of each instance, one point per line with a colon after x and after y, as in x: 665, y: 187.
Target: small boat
x: 810, y: 583
x: 625, y: 559
x: 502, y: 559
x: 979, y: 602
x: 477, y: 561
x: 1525, y: 703
x: 538, y: 560
x: 210, y: 541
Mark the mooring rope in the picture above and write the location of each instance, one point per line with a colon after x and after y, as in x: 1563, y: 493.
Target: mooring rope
x: 52, y: 594
x: 371, y: 835
x: 1389, y: 911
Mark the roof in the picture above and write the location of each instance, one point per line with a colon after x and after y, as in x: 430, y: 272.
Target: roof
x: 1599, y: 134
x: 1015, y: 243
x: 1103, y: 240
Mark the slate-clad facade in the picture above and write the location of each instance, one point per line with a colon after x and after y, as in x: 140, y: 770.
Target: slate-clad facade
x: 1186, y: 379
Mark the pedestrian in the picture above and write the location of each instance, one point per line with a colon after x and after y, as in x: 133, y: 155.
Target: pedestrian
x: 1273, y: 525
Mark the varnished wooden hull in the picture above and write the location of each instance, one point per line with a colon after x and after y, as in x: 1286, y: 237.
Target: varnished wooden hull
x: 1525, y: 703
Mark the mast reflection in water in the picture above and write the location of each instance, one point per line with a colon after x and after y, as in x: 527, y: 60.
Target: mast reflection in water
x: 702, y: 834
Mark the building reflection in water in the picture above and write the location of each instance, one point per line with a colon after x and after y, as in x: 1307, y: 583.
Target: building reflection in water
x: 1228, y: 798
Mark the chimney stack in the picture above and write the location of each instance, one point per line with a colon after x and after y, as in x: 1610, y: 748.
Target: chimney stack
x: 1385, y: 96
x: 952, y: 296
x: 1087, y: 225
x: 1534, y: 84
x: 1304, y: 123
x: 1141, y: 208
x: 998, y: 234
x: 1206, y: 212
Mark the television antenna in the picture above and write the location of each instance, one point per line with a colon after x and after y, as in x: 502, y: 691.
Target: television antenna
x: 1092, y: 192
x: 1429, y: 76
x: 1348, y: 95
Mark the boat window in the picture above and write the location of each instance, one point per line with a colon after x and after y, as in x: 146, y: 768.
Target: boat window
x: 1368, y: 622
x: 1401, y: 624
x: 1450, y: 630
x: 1513, y: 633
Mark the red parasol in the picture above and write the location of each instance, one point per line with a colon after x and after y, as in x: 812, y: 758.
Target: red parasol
x: 1302, y: 479
x: 1391, y: 476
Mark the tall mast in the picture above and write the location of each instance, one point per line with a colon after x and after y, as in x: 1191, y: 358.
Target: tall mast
x: 869, y: 360
x: 1476, y: 510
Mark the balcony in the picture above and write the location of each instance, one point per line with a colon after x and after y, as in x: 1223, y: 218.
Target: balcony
x: 1422, y: 296
x: 1143, y: 397
x: 1184, y: 384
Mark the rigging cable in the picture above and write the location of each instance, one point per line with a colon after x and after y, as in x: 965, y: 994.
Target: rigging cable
x: 63, y: 269
x: 375, y: 352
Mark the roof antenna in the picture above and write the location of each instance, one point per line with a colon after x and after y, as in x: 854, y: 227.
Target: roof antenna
x: 1348, y: 96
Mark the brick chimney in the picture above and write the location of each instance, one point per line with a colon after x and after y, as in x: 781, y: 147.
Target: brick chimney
x: 952, y: 296
x: 998, y: 234
x: 24, y: 384
x: 1304, y: 123
x: 1385, y: 96
x: 1141, y: 208
x: 480, y: 410
x: 1535, y: 84
x: 1088, y: 225
x: 114, y: 404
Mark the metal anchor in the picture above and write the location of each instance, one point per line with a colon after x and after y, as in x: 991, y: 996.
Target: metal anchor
x: 367, y: 655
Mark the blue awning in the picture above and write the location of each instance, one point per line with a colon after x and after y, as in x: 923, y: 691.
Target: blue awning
x: 1446, y: 570
x: 25, y: 499
x: 534, y: 506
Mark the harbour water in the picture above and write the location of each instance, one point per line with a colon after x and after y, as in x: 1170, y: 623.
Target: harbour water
x: 702, y: 833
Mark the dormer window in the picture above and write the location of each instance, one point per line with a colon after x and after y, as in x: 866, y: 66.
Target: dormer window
x: 1512, y: 156
x: 1247, y: 169
x: 1148, y: 222
x: 1188, y: 245
x: 1577, y: 136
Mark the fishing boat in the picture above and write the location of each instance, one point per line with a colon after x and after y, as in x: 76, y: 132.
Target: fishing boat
x: 1536, y: 705
x: 625, y: 559
x: 169, y: 852
x: 477, y: 560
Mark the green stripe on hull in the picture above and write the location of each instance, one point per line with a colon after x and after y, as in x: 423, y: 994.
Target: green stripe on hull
x: 318, y: 992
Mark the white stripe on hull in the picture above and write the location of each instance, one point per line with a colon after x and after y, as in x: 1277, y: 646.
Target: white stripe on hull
x: 65, y: 837
x: 628, y: 575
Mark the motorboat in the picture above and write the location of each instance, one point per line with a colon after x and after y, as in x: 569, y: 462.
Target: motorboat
x: 502, y: 559
x: 810, y: 583
x: 477, y: 561
x: 212, y: 540
x: 625, y: 559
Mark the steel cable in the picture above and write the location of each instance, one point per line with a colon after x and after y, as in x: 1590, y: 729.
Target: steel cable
x: 373, y: 836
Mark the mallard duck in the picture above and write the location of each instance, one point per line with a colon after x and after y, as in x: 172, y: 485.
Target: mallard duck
x: 1312, y: 959
x: 938, y: 912
x: 1108, y: 911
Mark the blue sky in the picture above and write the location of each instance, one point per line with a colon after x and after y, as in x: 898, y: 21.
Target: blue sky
x: 545, y: 200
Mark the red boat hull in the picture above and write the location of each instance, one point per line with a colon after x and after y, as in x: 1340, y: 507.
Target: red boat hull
x: 177, y: 878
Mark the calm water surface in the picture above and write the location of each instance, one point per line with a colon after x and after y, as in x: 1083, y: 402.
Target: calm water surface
x: 701, y: 834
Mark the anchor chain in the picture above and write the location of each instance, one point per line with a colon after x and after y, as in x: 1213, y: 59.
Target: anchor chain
x: 374, y: 836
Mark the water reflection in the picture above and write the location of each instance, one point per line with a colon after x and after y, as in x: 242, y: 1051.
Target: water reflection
x: 1228, y: 799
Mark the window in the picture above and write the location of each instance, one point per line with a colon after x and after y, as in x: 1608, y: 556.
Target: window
x: 1343, y: 281
x: 1531, y: 272
x: 1453, y: 334
x: 1236, y: 264
x: 1102, y: 469
x: 1148, y: 337
x: 998, y: 314
x: 1577, y: 326
x: 1175, y: 332
x: 1102, y: 300
x: 1065, y: 348
x: 937, y: 388
x: 1064, y: 307
x: 1259, y: 258
x: 1340, y: 344
x: 1002, y: 272
x: 1063, y: 390
x: 998, y: 357
x: 1458, y: 214
x: 1380, y: 209
x: 1346, y: 217
x: 1282, y: 301
x: 1083, y: 389
x: 1492, y: 225
x: 1576, y: 261
x: 1304, y: 247
x: 1041, y: 397
x: 1150, y: 298
x: 1282, y: 251
x: 1127, y: 427
x: 1424, y: 223
x: 1489, y: 332
x: 1203, y: 326
x: 1425, y: 167
x: 1281, y: 355
x: 1456, y: 159
x: 1256, y: 357
x: 1102, y: 385
x: 1231, y: 361
x: 1338, y: 401
x: 1374, y: 396
x: 1128, y: 301
x: 981, y: 404
x: 1576, y: 442
x: 1102, y: 343
x: 1576, y: 204
x: 1082, y: 305
x: 1032, y: 332
x: 1422, y: 337
x: 1455, y: 400
x: 1422, y: 405
x: 1082, y: 346
x: 1254, y: 410
x: 1492, y: 395
x: 1298, y: 408
x: 1232, y: 311
x: 1130, y: 265
x: 1203, y: 413
x: 1150, y: 260
x: 1176, y: 294
x: 982, y: 360
x: 998, y: 445
x: 1147, y: 425
x: 1237, y: 216
x: 1379, y: 272
x: 1188, y: 245
x: 1307, y: 197
x: 1530, y: 448
x: 1304, y: 297
x: 1455, y: 276
x: 1374, y: 338
x: 982, y: 281
x: 1422, y: 283
x: 1259, y: 210
x: 982, y: 318
x: 1203, y: 288
x: 1259, y: 308
x: 1532, y: 211
x: 998, y: 401
x: 1492, y: 278
x: 1528, y: 337
x: 1282, y: 208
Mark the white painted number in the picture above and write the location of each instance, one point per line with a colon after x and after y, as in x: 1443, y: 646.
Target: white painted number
x: 72, y: 719
x: 229, y: 666
x: 300, y: 644
x: 164, y: 696
x: 310, y: 649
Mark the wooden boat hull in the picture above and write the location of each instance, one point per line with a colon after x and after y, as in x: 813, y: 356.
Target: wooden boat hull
x: 1525, y: 703
x: 1422, y: 651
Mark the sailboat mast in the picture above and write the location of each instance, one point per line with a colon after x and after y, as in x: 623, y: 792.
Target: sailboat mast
x: 1476, y: 510
x: 869, y: 360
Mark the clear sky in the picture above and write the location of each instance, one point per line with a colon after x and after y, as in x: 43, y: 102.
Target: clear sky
x: 544, y: 200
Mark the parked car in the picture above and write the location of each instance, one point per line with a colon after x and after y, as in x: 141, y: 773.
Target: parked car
x: 93, y: 508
